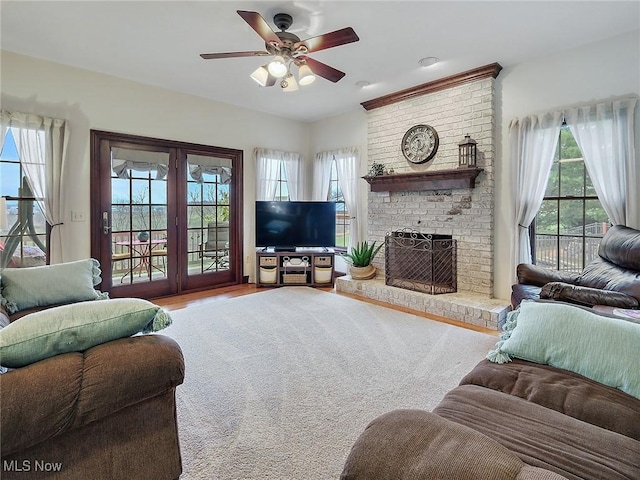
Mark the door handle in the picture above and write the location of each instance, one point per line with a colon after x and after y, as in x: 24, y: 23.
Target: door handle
x: 105, y: 223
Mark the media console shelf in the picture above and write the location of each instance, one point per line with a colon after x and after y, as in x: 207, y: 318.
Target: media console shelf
x: 308, y: 267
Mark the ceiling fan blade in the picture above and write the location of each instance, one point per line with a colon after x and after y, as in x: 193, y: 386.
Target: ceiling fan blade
x: 262, y: 28
x: 329, y: 40
x: 323, y: 70
x: 256, y: 53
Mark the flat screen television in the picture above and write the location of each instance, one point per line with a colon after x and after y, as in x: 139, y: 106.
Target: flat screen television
x: 287, y: 225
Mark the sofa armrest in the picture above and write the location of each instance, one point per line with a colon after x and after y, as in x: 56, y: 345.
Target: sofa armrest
x: 415, y: 444
x: 534, y: 275
x: 587, y: 295
x: 67, y: 391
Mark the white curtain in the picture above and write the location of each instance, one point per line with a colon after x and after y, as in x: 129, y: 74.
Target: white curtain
x: 41, y: 143
x: 322, y: 176
x: 533, y: 142
x: 5, y: 119
x: 268, y: 164
x: 295, y: 180
x: 348, y: 166
x: 604, y: 132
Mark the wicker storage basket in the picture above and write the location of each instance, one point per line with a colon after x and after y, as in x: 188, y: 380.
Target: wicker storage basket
x: 323, y: 274
x: 268, y: 275
x: 294, y: 278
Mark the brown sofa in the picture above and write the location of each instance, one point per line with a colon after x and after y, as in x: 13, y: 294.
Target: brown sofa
x: 106, y: 413
x: 513, y: 415
x: 513, y: 421
x: 612, y: 279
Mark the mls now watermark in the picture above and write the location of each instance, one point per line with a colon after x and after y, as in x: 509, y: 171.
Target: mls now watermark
x: 31, y: 466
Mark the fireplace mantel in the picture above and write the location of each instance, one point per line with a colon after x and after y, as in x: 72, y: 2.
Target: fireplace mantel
x: 432, y: 180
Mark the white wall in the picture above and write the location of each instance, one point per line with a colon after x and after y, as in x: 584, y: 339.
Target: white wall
x: 598, y: 71
x: 94, y: 101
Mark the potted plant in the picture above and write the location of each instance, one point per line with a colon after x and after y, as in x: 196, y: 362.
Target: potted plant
x: 360, y: 260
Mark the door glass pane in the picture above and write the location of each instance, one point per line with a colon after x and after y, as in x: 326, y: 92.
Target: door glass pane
x: 159, y: 192
x: 159, y: 218
x: 223, y: 194
x: 138, y: 215
x: 208, y: 213
x: 194, y: 193
x: 194, y: 216
x: 120, y: 191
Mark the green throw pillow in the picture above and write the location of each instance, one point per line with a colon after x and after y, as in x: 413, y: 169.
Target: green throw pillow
x: 75, y: 328
x: 601, y: 348
x: 62, y: 283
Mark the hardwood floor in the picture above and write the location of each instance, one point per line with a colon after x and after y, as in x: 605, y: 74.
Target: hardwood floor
x: 178, y: 302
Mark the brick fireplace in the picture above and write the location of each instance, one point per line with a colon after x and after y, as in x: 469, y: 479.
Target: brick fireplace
x: 415, y: 196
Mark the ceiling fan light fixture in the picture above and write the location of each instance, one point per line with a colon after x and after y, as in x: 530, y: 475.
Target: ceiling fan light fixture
x: 260, y: 75
x: 305, y: 75
x: 289, y: 83
x: 277, y: 67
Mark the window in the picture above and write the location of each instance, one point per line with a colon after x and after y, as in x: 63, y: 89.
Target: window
x: 342, y: 216
x: 282, y: 186
x: 23, y: 228
x: 567, y: 230
x: 279, y: 175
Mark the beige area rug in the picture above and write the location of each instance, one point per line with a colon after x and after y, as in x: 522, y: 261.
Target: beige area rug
x: 280, y: 383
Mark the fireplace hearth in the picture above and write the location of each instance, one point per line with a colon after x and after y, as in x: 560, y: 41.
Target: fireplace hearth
x: 421, y: 262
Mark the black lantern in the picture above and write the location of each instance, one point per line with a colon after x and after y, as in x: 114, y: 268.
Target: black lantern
x: 467, y: 152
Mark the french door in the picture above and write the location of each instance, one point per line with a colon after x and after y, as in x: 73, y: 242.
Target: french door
x: 165, y: 216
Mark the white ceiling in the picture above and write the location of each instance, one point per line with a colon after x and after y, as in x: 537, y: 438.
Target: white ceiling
x: 159, y: 42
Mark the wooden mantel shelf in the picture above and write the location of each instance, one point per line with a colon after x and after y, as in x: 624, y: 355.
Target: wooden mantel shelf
x: 432, y: 180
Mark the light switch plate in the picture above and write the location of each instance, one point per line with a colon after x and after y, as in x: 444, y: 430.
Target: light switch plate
x: 77, y: 216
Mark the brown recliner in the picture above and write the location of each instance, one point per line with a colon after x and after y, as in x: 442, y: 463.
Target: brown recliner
x: 612, y: 279
x: 106, y: 413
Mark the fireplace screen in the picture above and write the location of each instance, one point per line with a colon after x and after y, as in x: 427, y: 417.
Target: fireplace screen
x: 421, y: 262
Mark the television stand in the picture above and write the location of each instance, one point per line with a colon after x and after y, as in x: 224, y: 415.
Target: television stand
x: 280, y: 268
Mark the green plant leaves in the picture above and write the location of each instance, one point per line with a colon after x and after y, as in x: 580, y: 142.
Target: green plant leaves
x: 362, y: 254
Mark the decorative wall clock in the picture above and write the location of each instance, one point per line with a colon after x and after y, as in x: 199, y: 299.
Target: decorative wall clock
x: 420, y: 143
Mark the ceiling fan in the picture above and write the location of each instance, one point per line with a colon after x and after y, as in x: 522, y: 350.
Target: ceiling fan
x: 289, y: 50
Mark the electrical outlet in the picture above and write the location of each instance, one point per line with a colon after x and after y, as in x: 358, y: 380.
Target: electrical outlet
x: 77, y: 216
